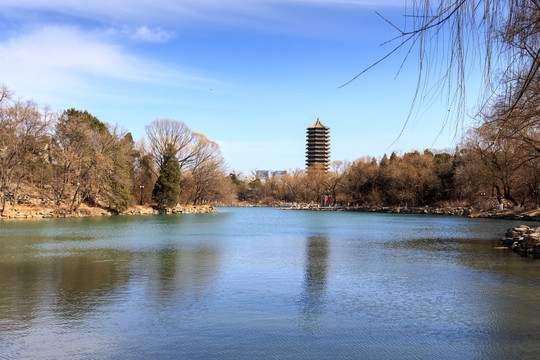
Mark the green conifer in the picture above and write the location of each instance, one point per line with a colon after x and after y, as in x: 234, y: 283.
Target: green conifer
x: 167, y: 187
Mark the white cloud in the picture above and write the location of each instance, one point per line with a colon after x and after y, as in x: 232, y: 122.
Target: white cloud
x: 68, y: 59
x: 178, y: 13
x: 144, y: 33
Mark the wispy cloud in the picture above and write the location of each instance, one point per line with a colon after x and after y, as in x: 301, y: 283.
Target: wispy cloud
x: 142, y: 33
x: 56, y: 64
x: 145, y: 33
x: 178, y: 13
x: 68, y: 59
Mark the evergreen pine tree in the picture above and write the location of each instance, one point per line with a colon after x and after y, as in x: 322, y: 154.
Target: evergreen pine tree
x: 167, y: 187
x: 384, y: 161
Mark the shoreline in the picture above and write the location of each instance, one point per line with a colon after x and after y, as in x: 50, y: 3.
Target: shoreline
x: 35, y: 211
x: 464, y: 211
x: 39, y: 212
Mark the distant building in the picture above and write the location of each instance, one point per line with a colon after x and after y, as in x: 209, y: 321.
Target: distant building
x: 262, y: 174
x: 318, y: 145
x: 265, y: 175
x: 279, y: 173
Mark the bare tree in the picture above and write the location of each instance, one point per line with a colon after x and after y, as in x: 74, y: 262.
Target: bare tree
x: 22, y: 135
x: 144, y: 174
x: 163, y: 133
x: 498, y: 161
x: 316, y: 181
x: 336, y: 177
x: 451, y: 35
x: 81, y: 161
x: 518, y: 119
x: 92, y: 161
x: 360, y: 183
x: 5, y: 93
x: 293, y: 184
x: 206, y: 171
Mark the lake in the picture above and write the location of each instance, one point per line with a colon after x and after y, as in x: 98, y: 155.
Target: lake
x: 262, y: 283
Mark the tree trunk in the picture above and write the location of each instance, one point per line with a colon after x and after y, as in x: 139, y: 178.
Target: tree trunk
x: 509, y: 197
x: 15, y: 201
x: 3, y: 204
x: 498, y: 192
x: 74, y: 199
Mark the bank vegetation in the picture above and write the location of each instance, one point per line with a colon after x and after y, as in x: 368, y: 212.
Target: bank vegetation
x: 478, y: 173
x: 71, y: 158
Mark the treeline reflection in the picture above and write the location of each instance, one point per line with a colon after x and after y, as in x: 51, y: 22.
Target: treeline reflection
x: 74, y: 286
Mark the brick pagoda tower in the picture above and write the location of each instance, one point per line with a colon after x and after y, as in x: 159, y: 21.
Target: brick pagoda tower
x: 318, y: 145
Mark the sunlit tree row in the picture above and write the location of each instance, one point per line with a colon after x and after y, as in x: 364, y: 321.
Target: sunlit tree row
x: 72, y: 158
x: 480, y: 172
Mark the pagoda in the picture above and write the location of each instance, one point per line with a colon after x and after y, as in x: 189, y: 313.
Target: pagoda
x: 318, y: 145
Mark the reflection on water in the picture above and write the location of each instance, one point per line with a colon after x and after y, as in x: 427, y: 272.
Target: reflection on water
x: 183, y: 275
x: 80, y: 284
x: 315, y: 277
x: 257, y: 283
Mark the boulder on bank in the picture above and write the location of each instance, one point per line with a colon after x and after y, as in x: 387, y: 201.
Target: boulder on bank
x: 523, y: 239
x: 202, y: 209
x: 178, y: 209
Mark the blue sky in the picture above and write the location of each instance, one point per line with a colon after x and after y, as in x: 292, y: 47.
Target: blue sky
x: 249, y: 74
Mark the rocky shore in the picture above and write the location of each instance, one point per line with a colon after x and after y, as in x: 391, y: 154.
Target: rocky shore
x: 523, y: 239
x: 44, y: 212
x: 467, y: 211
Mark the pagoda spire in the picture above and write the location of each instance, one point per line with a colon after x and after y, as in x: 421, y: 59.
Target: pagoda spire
x: 318, y: 124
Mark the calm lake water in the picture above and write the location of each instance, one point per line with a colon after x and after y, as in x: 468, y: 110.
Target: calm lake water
x: 266, y: 284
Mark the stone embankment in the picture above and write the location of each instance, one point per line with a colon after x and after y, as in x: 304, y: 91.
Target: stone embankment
x: 43, y: 212
x: 467, y: 211
x: 178, y: 209
x: 458, y: 211
x: 523, y: 239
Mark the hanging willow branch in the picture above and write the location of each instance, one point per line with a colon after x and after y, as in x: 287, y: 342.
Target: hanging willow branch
x: 451, y: 36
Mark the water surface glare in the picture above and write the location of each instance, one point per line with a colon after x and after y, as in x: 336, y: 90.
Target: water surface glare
x: 258, y: 283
